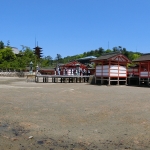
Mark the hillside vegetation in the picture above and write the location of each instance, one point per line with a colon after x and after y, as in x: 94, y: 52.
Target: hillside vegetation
x: 20, y: 61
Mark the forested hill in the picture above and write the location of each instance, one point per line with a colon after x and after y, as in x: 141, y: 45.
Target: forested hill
x: 98, y: 52
x: 22, y: 60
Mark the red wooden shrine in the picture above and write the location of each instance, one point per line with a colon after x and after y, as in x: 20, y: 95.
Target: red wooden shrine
x: 111, y: 67
x: 144, y: 68
x: 72, y: 68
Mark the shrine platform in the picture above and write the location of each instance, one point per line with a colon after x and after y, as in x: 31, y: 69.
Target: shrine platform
x: 61, y: 79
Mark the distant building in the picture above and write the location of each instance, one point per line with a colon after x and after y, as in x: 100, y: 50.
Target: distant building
x: 15, y: 50
x: 143, y: 63
x: 86, y: 60
x: 73, y: 68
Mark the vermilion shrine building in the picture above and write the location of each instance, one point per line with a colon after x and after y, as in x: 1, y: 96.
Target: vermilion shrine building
x: 144, y: 68
x: 111, y: 67
x: 68, y: 68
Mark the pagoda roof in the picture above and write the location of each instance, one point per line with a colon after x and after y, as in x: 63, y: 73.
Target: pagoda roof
x: 37, y: 47
x: 144, y: 57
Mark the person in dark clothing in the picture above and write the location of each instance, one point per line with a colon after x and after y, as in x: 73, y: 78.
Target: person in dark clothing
x: 65, y: 71
x: 80, y: 72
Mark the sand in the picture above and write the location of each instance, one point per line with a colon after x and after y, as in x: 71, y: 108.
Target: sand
x: 73, y: 116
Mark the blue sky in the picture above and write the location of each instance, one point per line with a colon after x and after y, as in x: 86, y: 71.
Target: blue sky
x: 70, y: 27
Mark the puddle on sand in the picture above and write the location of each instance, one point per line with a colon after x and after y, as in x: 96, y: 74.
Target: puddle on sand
x: 40, y: 142
x: 12, y: 129
x: 3, y: 127
x: 18, y: 131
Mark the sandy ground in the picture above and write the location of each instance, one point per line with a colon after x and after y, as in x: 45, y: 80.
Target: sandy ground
x: 73, y: 116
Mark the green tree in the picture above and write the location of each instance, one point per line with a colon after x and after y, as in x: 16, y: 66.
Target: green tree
x: 7, y: 54
x: 1, y: 45
x: 108, y: 51
x: 58, y: 58
x: 47, y: 61
x: 25, y: 56
x: 125, y: 52
x: 135, y: 56
x: 8, y: 43
x: 6, y: 58
x: 100, y: 51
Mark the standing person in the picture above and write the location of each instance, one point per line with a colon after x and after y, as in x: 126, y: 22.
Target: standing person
x: 37, y: 69
x: 80, y: 72
x: 74, y: 72
x: 83, y: 72
x: 65, y: 71
x: 55, y: 70
x: 58, y: 71
x: 89, y: 72
x: 71, y: 71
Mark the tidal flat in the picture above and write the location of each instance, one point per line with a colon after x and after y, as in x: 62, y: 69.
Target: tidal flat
x: 73, y: 116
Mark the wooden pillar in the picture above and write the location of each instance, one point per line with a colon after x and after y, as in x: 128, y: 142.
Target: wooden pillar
x: 95, y: 79
x: 128, y: 81
x: 102, y: 81
x: 109, y: 74
x: 148, y: 73
x: 126, y: 76
x: 37, y: 79
x: 118, y: 72
x: 108, y: 80
x: 139, y: 73
x: 95, y: 73
x: 80, y: 79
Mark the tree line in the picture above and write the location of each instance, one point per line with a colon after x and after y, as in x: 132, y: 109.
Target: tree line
x: 98, y: 52
x: 21, y: 61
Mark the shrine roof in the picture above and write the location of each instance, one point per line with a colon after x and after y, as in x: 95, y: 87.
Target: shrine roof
x: 107, y: 56
x: 113, y: 56
x: 73, y: 63
x: 144, y: 57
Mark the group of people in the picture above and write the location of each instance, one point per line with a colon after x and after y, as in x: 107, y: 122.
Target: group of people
x: 57, y: 71
x: 77, y: 72
x: 73, y: 71
x: 85, y: 72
